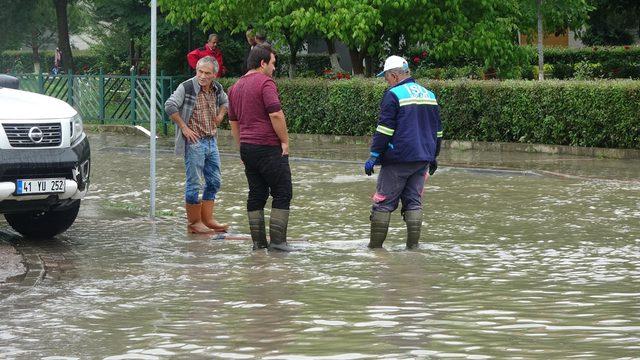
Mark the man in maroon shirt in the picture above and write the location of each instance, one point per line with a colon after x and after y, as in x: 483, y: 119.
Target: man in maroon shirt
x: 209, y: 49
x: 259, y: 127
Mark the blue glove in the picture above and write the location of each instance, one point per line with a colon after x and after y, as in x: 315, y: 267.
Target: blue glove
x: 433, y: 166
x: 368, y: 165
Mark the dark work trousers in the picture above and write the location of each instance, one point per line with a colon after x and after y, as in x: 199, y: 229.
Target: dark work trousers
x: 401, y: 181
x: 267, y: 173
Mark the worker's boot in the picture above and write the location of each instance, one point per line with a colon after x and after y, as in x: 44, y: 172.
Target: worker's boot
x: 413, y: 218
x: 258, y: 232
x: 278, y: 230
x: 194, y: 220
x: 208, y: 217
x: 379, y: 228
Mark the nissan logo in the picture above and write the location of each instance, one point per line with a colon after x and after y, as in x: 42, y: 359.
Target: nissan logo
x: 36, y: 135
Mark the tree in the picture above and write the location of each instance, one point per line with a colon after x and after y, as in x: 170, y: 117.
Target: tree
x: 483, y: 30
x: 41, y: 29
x: 33, y: 23
x: 610, y: 22
x: 123, y: 18
x: 556, y: 15
x: 281, y: 19
x: 12, y: 15
x: 62, y: 17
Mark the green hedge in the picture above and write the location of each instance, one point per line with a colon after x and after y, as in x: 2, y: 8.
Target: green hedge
x: 623, y: 54
x: 12, y: 61
x: 619, y: 62
x: 589, y: 113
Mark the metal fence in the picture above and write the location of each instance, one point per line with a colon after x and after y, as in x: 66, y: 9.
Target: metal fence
x: 107, y: 99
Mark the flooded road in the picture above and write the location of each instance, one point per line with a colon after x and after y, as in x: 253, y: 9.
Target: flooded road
x: 512, y: 264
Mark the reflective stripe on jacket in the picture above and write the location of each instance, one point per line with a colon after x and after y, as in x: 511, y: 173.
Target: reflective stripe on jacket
x: 409, y: 125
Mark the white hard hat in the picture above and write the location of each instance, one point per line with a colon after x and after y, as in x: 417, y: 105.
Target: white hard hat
x: 394, y: 62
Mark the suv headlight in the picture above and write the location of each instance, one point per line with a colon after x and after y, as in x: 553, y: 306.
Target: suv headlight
x: 76, y: 128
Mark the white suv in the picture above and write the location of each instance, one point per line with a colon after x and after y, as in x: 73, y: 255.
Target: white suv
x: 44, y: 161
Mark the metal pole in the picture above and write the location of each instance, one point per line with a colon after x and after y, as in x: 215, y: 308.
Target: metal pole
x: 101, y: 96
x: 132, y: 100
x: 70, y: 87
x: 152, y: 121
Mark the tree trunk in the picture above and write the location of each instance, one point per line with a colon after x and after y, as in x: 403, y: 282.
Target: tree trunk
x: 540, y: 38
x: 63, y: 33
x: 293, y: 54
x: 333, y: 56
x: 356, y: 62
x: 132, y: 53
x: 35, y: 51
x: 293, y: 57
x: 395, y: 44
x: 368, y: 66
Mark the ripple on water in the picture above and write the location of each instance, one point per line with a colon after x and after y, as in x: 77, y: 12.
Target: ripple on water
x: 509, y: 266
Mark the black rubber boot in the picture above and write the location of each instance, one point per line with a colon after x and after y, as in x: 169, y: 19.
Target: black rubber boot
x: 258, y: 232
x: 379, y: 227
x: 278, y: 230
x: 413, y: 218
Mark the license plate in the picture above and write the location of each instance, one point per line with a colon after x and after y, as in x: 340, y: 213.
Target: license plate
x: 39, y: 186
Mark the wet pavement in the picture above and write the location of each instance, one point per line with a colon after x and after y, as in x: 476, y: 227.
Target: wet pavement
x: 539, y: 261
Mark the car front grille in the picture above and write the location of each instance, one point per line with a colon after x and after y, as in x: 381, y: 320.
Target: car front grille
x: 13, y: 173
x: 33, y: 135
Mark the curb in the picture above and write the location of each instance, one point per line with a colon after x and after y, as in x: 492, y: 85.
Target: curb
x: 13, y: 268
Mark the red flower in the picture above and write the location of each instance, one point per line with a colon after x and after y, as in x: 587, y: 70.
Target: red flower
x: 424, y: 54
x: 627, y: 47
x: 347, y: 76
x: 339, y: 75
x: 416, y: 59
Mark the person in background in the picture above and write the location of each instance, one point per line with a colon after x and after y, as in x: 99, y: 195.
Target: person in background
x: 197, y: 107
x: 406, y: 143
x: 261, y: 38
x: 209, y: 49
x: 57, y: 61
x: 251, y: 40
x: 259, y: 127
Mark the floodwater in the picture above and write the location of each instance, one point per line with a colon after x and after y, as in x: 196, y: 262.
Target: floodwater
x: 512, y: 264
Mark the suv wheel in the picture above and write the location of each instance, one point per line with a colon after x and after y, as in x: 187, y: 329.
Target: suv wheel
x: 44, y: 224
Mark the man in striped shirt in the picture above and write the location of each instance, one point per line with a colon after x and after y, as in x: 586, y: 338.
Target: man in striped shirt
x: 406, y: 144
x: 197, y: 107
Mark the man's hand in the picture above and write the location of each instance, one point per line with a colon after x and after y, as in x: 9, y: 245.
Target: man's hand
x: 190, y: 135
x: 368, y: 165
x: 218, y: 120
x: 285, y: 148
x: 433, y: 166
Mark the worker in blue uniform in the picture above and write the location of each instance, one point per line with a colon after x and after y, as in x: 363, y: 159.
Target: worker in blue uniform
x: 406, y: 143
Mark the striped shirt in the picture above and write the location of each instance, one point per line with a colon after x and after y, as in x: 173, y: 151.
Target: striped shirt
x: 202, y: 120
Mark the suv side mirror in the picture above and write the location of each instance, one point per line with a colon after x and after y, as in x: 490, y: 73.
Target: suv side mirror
x: 9, y: 81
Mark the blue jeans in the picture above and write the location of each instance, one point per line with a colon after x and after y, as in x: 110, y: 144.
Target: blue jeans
x: 202, y: 159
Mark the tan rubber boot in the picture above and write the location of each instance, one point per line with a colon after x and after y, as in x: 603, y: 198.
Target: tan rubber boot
x: 194, y: 223
x: 208, y: 219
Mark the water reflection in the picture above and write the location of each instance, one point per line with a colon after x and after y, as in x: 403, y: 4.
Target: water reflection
x: 510, y: 265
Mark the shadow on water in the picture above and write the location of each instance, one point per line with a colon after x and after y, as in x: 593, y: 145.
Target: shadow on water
x: 511, y: 264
